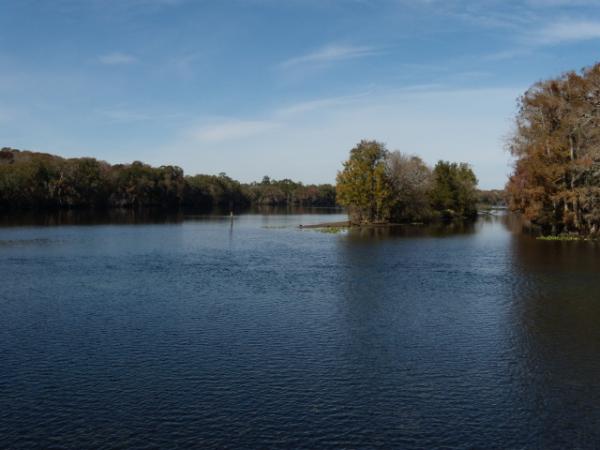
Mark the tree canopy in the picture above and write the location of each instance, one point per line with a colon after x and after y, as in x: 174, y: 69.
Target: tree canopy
x: 556, y: 145
x: 379, y: 186
x: 363, y: 185
x: 454, y: 189
x: 39, y: 180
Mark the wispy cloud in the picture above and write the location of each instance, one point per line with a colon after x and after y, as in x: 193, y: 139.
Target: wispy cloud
x: 116, y: 58
x: 508, y: 54
x: 566, y: 31
x: 231, y: 129
x: 124, y: 115
x: 548, y: 3
x: 331, y: 53
x: 319, y: 104
x: 563, y: 31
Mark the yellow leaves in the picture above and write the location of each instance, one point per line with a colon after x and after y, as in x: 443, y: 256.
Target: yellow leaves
x: 362, y: 185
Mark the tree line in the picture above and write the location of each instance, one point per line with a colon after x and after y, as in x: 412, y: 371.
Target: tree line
x: 556, y: 146
x: 30, y: 180
x: 378, y: 186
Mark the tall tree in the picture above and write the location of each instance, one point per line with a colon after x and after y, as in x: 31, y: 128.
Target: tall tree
x: 410, y: 179
x: 556, y: 145
x: 454, y: 190
x: 363, y: 186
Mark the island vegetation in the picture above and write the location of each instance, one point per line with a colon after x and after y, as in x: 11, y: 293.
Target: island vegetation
x: 378, y: 186
x: 556, y: 146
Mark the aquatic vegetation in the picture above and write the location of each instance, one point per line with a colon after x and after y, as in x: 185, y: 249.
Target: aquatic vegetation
x: 565, y: 238
x: 332, y: 230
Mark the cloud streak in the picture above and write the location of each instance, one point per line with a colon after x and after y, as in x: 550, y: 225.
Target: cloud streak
x: 319, y: 104
x: 559, y: 3
x: 116, y: 58
x: 331, y: 53
x: 567, y: 31
x: 561, y: 32
x: 124, y: 115
x: 231, y: 129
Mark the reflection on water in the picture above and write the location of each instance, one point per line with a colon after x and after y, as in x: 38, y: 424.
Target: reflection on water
x: 125, y: 216
x: 556, y: 312
x: 89, y: 217
x: 199, y: 330
x: 413, y: 231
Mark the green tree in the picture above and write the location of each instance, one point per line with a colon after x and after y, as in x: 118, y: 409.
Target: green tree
x: 363, y: 186
x: 454, y: 190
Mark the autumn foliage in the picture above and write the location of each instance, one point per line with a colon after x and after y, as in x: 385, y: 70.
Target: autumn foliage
x: 556, y: 145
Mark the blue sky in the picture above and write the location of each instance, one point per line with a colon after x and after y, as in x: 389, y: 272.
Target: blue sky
x: 280, y: 87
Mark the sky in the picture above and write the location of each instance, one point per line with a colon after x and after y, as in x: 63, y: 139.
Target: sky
x: 283, y: 88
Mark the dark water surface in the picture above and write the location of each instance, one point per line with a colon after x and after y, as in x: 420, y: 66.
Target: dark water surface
x: 196, y: 332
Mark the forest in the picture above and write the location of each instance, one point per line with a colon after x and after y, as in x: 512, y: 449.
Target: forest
x: 413, y: 191
x: 31, y: 180
x: 556, y: 146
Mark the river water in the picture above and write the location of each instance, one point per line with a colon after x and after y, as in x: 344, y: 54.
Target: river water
x: 201, y: 331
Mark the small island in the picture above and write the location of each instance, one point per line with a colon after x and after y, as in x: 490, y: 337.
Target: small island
x: 379, y: 187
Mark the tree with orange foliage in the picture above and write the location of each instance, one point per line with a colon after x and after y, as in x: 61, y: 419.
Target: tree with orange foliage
x: 556, y: 179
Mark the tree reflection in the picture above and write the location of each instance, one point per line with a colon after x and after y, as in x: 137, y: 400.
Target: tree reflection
x: 441, y: 229
x: 555, y: 329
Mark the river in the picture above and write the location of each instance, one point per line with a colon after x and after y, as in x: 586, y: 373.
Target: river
x: 202, y: 331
